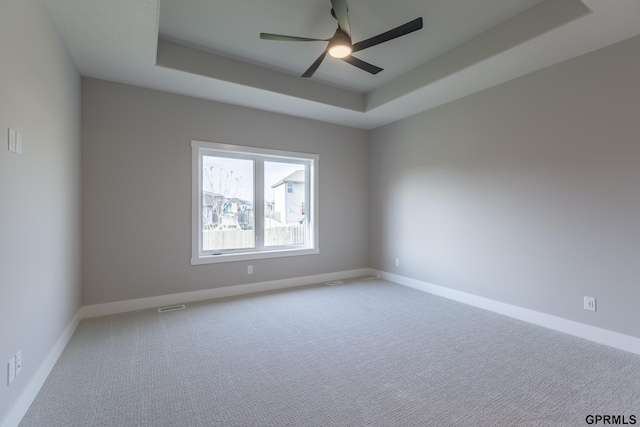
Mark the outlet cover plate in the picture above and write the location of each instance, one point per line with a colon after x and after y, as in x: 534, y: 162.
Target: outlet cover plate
x: 18, y: 362
x: 12, y: 140
x: 590, y: 303
x: 11, y: 370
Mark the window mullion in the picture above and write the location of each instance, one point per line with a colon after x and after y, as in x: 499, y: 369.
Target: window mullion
x: 258, y: 206
x: 308, y: 202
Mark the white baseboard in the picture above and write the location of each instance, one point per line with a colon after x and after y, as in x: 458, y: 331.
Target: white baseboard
x: 229, y: 291
x: 592, y: 333
x: 581, y: 330
x: 25, y: 400
x: 29, y: 394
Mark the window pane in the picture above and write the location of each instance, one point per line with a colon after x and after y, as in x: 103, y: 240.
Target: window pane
x: 227, y: 203
x: 234, y: 184
x: 285, y: 221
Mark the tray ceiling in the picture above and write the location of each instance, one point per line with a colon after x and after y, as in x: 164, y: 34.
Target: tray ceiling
x: 212, y: 50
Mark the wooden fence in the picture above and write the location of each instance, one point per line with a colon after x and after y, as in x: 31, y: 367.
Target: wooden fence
x: 291, y: 234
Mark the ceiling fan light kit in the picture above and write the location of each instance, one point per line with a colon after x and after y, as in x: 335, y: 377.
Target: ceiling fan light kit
x: 340, y: 45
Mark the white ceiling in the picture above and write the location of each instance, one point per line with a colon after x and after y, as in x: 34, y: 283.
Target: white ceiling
x: 212, y: 50
x: 229, y: 30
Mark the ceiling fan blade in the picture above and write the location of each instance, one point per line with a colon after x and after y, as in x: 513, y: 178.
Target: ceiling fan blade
x: 279, y: 37
x: 370, y: 68
x: 342, y: 15
x: 315, y: 65
x: 400, y: 31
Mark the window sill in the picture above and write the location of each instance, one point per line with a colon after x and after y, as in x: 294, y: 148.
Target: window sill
x: 248, y: 256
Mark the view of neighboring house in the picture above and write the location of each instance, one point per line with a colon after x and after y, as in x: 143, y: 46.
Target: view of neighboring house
x: 219, y: 213
x: 289, y: 198
x: 242, y: 210
x: 287, y: 207
x: 210, y: 203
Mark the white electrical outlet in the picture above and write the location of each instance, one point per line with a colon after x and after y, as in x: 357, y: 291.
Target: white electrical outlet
x: 250, y: 269
x: 397, y: 262
x: 11, y: 370
x: 18, y: 143
x: 12, y: 140
x: 18, y: 362
x: 590, y: 303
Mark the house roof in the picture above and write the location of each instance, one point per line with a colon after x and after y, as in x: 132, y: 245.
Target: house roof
x: 209, y: 197
x: 297, y: 176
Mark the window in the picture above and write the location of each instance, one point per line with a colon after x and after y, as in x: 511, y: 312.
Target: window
x: 251, y: 203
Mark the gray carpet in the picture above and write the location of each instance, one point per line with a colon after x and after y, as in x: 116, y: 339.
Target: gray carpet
x: 365, y: 353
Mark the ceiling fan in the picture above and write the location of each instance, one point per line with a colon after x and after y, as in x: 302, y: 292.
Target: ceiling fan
x: 340, y: 45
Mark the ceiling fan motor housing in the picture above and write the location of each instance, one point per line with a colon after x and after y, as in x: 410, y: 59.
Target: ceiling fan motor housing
x: 340, y: 45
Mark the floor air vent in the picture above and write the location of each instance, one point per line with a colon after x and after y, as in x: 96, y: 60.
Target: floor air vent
x: 335, y: 282
x: 172, y: 308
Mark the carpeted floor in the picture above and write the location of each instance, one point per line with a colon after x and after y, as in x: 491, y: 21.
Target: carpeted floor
x: 365, y: 353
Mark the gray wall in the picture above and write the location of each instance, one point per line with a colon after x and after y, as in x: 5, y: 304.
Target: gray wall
x: 39, y: 190
x: 136, y: 194
x: 527, y: 193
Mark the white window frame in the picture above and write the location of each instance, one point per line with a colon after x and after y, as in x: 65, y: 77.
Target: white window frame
x: 201, y: 148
